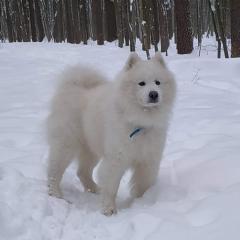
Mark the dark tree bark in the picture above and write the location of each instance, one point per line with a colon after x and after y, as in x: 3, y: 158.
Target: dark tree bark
x: 58, y: 26
x: 130, y: 26
x: 215, y: 29
x: 32, y: 20
x: 119, y: 21
x: 235, y: 28
x: 11, y: 37
x: 69, y: 19
x: 184, y: 29
x: 155, y: 24
x: 170, y: 19
x: 21, y: 19
x: 125, y: 22
x: 75, y: 21
x: 64, y: 20
x: 83, y: 21
x: 98, y: 20
x: 1, y: 22
x: 199, y: 22
x: 26, y: 17
x: 17, y: 21
x: 221, y: 29
x: 163, y: 27
x: 111, y: 27
x: 39, y: 23
x: 144, y: 22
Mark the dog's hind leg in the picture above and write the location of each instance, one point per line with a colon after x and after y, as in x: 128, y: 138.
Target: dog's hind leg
x: 87, y: 162
x: 144, y: 176
x: 59, y: 159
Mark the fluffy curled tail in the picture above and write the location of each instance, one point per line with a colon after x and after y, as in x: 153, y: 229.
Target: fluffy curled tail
x: 82, y: 77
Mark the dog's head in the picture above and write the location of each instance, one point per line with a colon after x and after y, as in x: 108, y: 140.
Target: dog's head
x: 148, y: 84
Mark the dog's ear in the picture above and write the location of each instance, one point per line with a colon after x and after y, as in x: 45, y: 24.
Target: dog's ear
x: 158, y: 57
x: 132, y: 60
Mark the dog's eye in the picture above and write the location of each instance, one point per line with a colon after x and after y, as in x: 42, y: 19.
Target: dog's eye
x: 141, y: 83
x: 157, y: 82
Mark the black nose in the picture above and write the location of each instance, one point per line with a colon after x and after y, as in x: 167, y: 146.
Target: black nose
x: 153, y: 95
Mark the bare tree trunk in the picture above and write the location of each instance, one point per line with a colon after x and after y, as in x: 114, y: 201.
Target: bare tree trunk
x: 119, y: 20
x: 163, y: 26
x: 11, y: 37
x: 235, y: 28
x: 221, y: 29
x: 98, y: 20
x: 125, y: 22
x: 58, y: 20
x: 76, y: 21
x: 24, y: 29
x: 2, y: 35
x: 69, y: 19
x: 32, y: 20
x: 17, y: 21
x: 144, y: 23
x: 83, y: 21
x: 184, y: 30
x: 111, y: 27
x: 170, y: 19
x: 155, y: 24
x: 199, y: 22
x: 46, y: 15
x: 130, y: 25
x: 215, y: 29
x: 39, y: 23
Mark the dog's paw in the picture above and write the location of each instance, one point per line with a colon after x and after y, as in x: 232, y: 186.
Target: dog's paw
x: 53, y: 192
x: 93, y: 189
x: 109, y: 211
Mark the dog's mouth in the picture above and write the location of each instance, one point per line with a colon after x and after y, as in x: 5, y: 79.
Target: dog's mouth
x: 153, y: 101
x: 151, y: 104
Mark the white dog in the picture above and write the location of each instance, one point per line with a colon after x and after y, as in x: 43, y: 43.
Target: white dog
x: 123, y: 122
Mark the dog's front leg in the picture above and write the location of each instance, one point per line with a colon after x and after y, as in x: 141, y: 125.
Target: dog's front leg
x: 110, y: 174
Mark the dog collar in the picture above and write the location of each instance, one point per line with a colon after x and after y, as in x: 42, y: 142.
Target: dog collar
x: 135, y: 131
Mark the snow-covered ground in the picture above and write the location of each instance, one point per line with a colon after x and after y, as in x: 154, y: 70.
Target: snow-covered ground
x: 197, y: 195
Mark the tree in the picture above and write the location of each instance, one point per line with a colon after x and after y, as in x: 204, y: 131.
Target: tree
x: 235, y: 28
x: 111, y: 28
x: 98, y: 20
x: 9, y: 24
x: 155, y: 24
x: 39, y: 23
x: 215, y: 28
x: 119, y: 21
x: 183, y: 25
x: 163, y: 24
x: 58, y: 18
x: 144, y: 22
x: 150, y: 21
x: 83, y: 13
x: 130, y: 24
x: 221, y: 29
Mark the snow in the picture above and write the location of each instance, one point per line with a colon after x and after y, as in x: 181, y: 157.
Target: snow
x: 197, y: 194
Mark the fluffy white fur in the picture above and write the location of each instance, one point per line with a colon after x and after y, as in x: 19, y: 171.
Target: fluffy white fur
x: 92, y: 119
